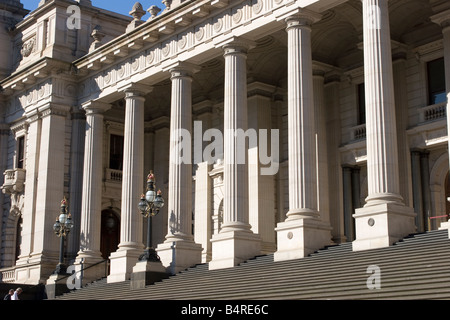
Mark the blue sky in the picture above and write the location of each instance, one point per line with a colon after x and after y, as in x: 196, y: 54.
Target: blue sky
x: 120, y: 6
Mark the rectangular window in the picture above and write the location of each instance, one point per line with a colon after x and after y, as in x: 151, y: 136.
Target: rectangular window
x: 361, y: 104
x: 116, y: 152
x: 436, y: 81
x: 21, y: 152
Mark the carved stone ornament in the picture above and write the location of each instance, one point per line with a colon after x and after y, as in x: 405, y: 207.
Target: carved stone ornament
x: 27, y: 47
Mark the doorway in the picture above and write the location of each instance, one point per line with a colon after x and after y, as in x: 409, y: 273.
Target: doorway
x: 110, y: 233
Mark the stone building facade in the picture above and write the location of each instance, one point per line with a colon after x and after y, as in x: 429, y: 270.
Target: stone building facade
x: 343, y: 102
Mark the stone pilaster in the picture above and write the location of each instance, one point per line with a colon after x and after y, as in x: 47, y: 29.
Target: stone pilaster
x: 179, y: 250
x: 303, y: 231
x: 91, y: 203
x: 131, y: 233
x: 385, y: 218
x: 203, y: 182
x: 261, y: 184
x: 235, y: 242
x: 76, y: 178
x: 161, y: 127
x: 33, y: 137
x: 49, y: 188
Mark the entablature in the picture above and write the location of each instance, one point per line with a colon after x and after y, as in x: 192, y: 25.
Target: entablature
x: 148, y: 51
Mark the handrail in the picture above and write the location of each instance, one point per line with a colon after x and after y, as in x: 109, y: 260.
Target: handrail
x: 83, y: 269
x: 436, y: 217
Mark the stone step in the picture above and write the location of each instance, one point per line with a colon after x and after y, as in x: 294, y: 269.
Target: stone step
x: 413, y: 268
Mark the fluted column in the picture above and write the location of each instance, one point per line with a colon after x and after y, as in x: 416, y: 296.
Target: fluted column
x: 303, y: 231
x: 235, y: 175
x: 235, y: 242
x: 92, y: 182
x: 179, y: 250
x: 180, y: 165
x: 131, y: 233
x: 382, y: 154
x: 301, y: 120
x: 385, y: 218
x: 91, y: 203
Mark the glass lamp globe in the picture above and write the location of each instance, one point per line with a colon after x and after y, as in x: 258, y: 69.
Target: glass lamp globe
x: 69, y: 222
x: 159, y: 202
x: 57, y: 226
x: 142, y: 205
x: 150, y: 196
x: 62, y: 218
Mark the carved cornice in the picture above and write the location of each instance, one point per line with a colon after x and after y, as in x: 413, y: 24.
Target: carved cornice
x: 18, y: 127
x: 53, y: 109
x: 25, y: 78
x: 166, y: 40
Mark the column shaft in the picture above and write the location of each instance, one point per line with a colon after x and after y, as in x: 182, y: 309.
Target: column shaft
x: 382, y: 154
x: 91, y: 204
x: 180, y: 167
x: 235, y: 175
x: 384, y: 219
x: 302, y: 151
x: 133, y: 171
x: 304, y: 230
x: 179, y: 251
x: 131, y: 222
x: 235, y: 241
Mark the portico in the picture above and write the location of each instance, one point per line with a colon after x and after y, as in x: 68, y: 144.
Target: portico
x: 341, y: 112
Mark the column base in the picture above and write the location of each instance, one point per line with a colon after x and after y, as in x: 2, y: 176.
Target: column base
x: 297, y: 238
x: 233, y: 247
x: 146, y: 273
x: 382, y: 225
x: 122, y: 263
x: 179, y: 255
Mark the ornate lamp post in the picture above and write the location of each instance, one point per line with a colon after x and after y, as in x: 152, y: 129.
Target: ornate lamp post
x: 62, y: 228
x: 149, y: 205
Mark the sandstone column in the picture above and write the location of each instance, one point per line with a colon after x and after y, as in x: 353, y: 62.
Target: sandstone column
x: 385, y: 218
x: 131, y: 233
x: 235, y: 242
x: 91, y: 203
x: 179, y: 250
x: 303, y: 231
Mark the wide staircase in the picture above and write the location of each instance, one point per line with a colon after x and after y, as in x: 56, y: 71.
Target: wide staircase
x: 417, y: 267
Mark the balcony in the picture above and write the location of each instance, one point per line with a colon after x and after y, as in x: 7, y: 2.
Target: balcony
x: 14, y: 181
x: 112, y: 175
x: 433, y: 112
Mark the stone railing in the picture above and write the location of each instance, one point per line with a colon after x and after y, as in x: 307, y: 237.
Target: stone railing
x: 358, y: 132
x: 433, y: 112
x: 8, y: 275
x: 14, y: 181
x: 113, y: 175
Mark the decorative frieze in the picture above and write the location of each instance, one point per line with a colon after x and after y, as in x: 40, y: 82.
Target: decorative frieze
x: 175, y: 38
